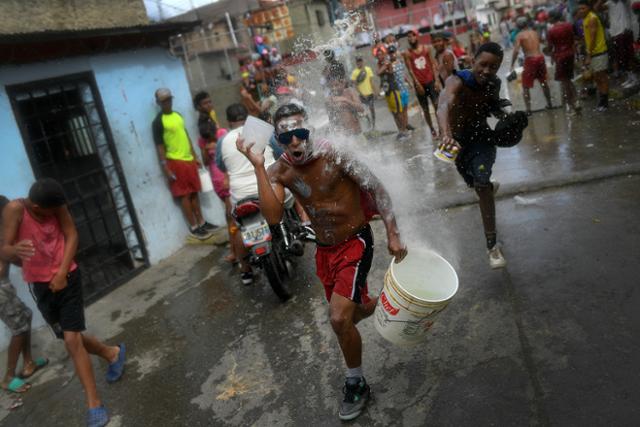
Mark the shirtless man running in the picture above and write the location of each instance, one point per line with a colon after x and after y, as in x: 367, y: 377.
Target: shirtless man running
x: 534, y: 65
x: 333, y: 189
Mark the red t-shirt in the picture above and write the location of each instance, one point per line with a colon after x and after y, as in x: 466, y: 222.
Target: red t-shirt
x: 421, y: 66
x: 48, y: 241
x: 561, y: 38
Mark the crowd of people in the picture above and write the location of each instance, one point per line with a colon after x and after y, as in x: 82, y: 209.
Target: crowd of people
x: 594, y: 41
x: 335, y: 194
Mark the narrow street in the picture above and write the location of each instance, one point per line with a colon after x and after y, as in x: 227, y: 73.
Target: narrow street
x: 553, y: 339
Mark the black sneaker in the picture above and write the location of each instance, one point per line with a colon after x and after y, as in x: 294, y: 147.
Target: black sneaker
x: 247, y: 278
x: 356, y: 394
x: 200, y: 233
x: 208, y: 227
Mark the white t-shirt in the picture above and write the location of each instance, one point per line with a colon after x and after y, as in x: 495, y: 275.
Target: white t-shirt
x: 242, y: 177
x: 619, y: 17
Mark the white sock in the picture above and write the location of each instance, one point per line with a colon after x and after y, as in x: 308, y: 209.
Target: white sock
x: 354, y: 372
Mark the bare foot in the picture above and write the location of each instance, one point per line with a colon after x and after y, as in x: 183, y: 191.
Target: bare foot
x: 115, y: 352
x: 31, y: 367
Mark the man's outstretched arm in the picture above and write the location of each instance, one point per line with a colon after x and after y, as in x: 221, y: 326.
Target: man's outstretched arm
x: 271, y: 195
x: 370, y: 184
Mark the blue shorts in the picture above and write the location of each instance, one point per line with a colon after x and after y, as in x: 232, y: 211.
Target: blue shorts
x: 476, y: 158
x: 404, y: 98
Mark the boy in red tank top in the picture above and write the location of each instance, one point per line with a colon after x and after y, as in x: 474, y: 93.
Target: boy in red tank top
x: 40, y: 231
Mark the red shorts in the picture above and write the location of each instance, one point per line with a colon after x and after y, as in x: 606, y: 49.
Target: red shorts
x: 564, y: 67
x: 534, y: 68
x: 187, y: 179
x: 343, y: 268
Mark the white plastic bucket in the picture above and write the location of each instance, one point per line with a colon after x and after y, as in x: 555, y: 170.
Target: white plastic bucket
x: 414, y: 292
x: 258, y: 132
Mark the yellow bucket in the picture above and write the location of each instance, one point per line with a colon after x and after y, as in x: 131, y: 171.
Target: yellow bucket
x: 414, y: 292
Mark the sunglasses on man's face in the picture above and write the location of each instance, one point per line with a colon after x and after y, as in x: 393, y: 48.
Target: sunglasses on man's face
x: 286, y: 138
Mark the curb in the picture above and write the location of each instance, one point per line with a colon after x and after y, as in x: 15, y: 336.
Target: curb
x: 509, y: 190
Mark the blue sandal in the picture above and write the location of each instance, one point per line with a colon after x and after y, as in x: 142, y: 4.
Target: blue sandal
x: 97, y: 417
x: 116, y: 369
x: 17, y: 385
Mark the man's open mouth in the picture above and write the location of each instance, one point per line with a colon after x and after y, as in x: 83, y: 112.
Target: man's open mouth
x: 297, y: 155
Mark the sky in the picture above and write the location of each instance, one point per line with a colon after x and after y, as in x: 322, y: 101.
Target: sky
x: 171, y: 7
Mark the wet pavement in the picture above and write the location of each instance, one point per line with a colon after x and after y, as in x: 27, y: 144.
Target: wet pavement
x: 552, y: 339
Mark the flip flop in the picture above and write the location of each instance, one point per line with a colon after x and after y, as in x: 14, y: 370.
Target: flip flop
x: 16, y: 384
x: 116, y: 369
x: 39, y: 363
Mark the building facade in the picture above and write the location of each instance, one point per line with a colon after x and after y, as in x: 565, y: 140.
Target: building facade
x: 77, y: 105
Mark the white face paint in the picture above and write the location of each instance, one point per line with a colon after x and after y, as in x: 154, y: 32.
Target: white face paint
x: 289, y: 124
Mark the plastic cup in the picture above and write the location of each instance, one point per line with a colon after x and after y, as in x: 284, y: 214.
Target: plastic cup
x: 258, y: 132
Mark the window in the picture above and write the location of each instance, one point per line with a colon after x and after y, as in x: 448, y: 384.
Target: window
x: 399, y: 4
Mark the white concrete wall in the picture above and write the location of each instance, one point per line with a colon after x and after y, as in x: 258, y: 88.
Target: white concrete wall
x: 126, y: 82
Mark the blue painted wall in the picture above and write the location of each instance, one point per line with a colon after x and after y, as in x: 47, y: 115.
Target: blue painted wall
x: 126, y: 82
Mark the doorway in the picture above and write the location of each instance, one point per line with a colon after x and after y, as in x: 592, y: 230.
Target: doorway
x: 67, y: 137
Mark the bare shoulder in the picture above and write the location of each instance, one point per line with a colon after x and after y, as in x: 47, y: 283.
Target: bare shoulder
x: 13, y: 208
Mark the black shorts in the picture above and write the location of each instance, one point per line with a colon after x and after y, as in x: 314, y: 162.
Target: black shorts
x: 477, y: 155
x: 367, y: 100
x: 64, y: 310
x: 429, y: 93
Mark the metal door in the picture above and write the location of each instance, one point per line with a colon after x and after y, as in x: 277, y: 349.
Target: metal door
x: 67, y: 137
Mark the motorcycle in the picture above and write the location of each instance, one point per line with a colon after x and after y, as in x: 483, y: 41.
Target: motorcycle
x: 272, y: 248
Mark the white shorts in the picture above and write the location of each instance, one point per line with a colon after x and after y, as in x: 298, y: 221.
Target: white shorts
x: 599, y: 62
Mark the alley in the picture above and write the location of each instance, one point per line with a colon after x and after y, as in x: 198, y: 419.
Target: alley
x: 552, y: 339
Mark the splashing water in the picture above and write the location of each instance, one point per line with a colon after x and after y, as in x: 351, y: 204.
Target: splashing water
x: 384, y: 158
